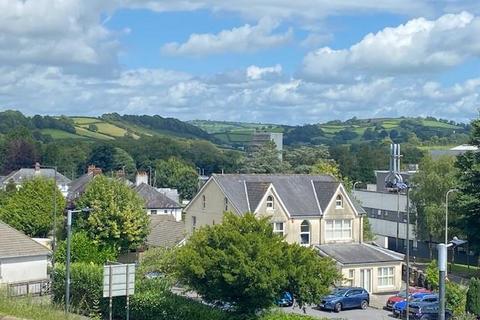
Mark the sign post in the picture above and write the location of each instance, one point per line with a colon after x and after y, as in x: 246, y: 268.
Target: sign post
x: 118, y: 280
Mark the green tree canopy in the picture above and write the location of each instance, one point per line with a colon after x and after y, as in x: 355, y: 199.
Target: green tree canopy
x: 174, y: 173
x: 84, y: 249
x: 266, y: 160
x: 432, y: 182
x: 31, y: 208
x: 243, y: 263
x: 117, y: 218
x: 468, y: 202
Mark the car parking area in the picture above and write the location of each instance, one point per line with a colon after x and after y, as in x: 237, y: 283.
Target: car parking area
x: 353, y: 314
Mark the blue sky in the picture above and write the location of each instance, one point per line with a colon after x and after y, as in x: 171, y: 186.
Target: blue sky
x: 271, y: 61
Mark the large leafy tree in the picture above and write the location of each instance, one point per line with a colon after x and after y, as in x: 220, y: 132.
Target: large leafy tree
x: 266, y: 160
x: 431, y: 183
x: 243, y: 263
x: 31, y: 208
x: 468, y: 202
x: 174, y: 173
x: 117, y: 217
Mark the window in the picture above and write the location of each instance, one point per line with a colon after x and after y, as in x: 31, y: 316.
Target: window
x: 305, y: 233
x: 153, y: 211
x: 194, y: 223
x: 204, y: 201
x: 339, y: 202
x: 165, y: 211
x: 338, y: 229
x: 350, y: 279
x: 278, y: 228
x: 386, y: 277
x: 270, y: 202
x: 226, y: 204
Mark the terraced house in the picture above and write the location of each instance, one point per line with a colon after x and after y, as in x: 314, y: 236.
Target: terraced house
x: 312, y: 210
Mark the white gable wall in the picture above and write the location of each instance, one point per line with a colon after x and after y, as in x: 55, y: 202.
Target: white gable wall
x: 23, y: 269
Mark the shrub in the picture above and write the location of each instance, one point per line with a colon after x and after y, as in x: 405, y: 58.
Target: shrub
x: 85, y: 286
x: 85, y: 250
x: 473, y: 297
x: 456, y: 297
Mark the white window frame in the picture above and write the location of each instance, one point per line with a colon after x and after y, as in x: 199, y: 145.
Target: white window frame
x: 278, y: 230
x: 305, y: 232
x: 350, y: 280
x: 339, y: 202
x: 386, y: 276
x: 344, y: 233
x: 270, y: 203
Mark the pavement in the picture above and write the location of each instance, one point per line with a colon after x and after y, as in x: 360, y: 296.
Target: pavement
x: 353, y: 314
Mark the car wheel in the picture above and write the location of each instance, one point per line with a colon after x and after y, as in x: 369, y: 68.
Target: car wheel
x: 364, y: 304
x: 338, y: 307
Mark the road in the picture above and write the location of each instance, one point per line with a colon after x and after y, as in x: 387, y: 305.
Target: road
x: 354, y: 314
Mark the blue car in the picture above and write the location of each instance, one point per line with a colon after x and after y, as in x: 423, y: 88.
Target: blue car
x: 286, y: 300
x: 346, y: 298
x: 416, y: 299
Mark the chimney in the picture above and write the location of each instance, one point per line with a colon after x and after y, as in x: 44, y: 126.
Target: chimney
x: 91, y: 169
x: 120, y: 174
x: 37, y: 167
x: 142, y: 177
x: 94, y: 170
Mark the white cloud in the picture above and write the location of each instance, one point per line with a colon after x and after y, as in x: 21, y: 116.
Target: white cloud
x: 49, y: 90
x: 56, y: 33
x: 237, y: 40
x: 257, y: 73
x: 418, y: 46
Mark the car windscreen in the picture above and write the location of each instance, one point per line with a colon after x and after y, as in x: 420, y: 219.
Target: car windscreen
x: 339, y: 292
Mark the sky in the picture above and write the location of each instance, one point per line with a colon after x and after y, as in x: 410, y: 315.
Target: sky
x: 271, y: 61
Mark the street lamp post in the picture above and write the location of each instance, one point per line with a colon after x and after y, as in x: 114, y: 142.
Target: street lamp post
x: 356, y: 184
x: 446, y: 219
x: 67, y: 264
x: 407, y: 276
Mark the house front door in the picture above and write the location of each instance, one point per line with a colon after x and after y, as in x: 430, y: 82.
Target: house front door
x: 366, y: 279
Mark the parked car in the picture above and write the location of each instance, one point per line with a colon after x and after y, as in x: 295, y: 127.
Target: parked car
x: 427, y: 312
x: 401, y: 296
x: 346, y: 298
x: 286, y: 300
x: 418, y: 297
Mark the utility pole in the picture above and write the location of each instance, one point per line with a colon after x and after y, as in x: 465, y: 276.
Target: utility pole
x: 408, y: 253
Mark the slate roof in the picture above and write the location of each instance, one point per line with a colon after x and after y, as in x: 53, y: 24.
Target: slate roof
x: 301, y: 194
x: 78, y: 186
x: 29, y: 173
x: 155, y: 199
x: 358, y: 253
x: 14, y: 243
x: 165, y: 231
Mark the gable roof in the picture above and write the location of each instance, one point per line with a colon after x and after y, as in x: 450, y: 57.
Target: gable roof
x: 165, y: 231
x: 154, y: 199
x: 78, y: 186
x: 25, y: 174
x: 14, y: 243
x: 358, y: 253
x: 302, y: 195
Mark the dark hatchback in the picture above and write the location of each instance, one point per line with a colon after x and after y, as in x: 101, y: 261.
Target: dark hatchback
x: 427, y: 312
x: 345, y: 298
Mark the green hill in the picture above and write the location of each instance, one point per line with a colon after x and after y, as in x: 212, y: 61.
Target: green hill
x: 438, y: 131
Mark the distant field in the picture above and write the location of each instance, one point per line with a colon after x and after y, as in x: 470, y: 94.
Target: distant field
x: 85, y: 120
x: 90, y: 134
x: 437, y: 124
x: 60, y: 134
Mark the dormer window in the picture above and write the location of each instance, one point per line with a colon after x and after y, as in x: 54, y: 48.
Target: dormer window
x: 339, y: 202
x: 305, y: 233
x: 204, y: 202
x: 270, y: 204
